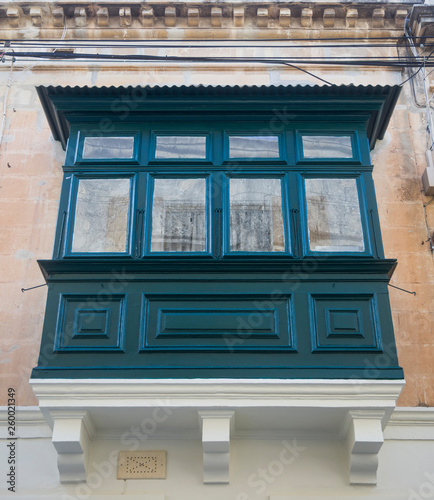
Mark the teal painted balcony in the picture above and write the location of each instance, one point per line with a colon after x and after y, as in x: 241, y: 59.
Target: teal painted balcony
x: 218, y: 232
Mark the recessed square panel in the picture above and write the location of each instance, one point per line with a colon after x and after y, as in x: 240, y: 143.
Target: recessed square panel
x: 343, y: 322
x: 347, y: 323
x: 90, y: 323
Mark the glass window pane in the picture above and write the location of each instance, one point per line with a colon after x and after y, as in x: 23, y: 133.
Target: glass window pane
x: 333, y: 213
x: 256, y: 215
x: 108, y: 148
x: 254, y: 146
x: 101, y: 215
x: 170, y: 147
x: 178, y: 215
x: 327, y: 146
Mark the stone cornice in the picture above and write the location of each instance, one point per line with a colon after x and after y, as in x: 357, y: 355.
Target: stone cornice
x: 195, y: 19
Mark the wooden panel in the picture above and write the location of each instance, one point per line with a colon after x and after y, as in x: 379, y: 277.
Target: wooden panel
x: 345, y: 323
x: 90, y: 323
x: 212, y: 322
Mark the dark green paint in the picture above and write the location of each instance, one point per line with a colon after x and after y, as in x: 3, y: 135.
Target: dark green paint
x: 220, y: 313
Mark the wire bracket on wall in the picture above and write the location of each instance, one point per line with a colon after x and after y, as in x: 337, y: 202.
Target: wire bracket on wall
x: 32, y: 287
x: 402, y: 289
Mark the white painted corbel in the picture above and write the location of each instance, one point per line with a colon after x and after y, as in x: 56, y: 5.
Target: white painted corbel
x: 72, y: 432
x: 216, y: 427
x: 364, y: 438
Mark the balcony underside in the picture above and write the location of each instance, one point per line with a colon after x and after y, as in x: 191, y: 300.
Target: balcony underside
x: 216, y: 412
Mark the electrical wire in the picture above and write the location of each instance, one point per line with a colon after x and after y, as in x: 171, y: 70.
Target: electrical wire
x: 393, y: 63
x: 308, y: 72
x: 198, y: 44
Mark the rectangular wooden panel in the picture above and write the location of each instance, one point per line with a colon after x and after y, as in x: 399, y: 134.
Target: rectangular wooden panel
x: 216, y: 322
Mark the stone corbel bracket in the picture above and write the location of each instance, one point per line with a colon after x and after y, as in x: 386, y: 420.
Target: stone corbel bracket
x: 72, y: 433
x: 421, y: 22
x: 216, y: 428
x: 363, y: 432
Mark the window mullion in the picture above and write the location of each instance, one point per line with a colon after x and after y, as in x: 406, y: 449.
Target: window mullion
x: 139, y: 219
x: 295, y: 233
x: 217, y: 220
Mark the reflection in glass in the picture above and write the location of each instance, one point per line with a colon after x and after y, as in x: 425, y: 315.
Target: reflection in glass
x: 101, y: 215
x: 108, y: 148
x: 333, y: 213
x: 254, y: 146
x: 256, y: 215
x: 171, y: 147
x: 178, y: 215
x: 327, y: 146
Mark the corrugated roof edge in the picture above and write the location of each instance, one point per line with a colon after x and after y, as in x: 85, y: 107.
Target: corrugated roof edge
x: 376, y: 129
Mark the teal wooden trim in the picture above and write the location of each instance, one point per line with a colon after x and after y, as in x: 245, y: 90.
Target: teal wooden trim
x: 218, y: 134
x: 373, y: 218
x: 347, y: 268
x: 170, y: 372
x: 119, y: 162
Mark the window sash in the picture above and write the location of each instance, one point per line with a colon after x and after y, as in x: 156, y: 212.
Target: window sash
x: 101, y: 210
x: 334, y: 221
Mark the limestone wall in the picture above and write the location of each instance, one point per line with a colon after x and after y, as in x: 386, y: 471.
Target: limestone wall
x: 30, y: 181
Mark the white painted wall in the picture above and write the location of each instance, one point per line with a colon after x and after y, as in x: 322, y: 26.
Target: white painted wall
x: 281, y: 468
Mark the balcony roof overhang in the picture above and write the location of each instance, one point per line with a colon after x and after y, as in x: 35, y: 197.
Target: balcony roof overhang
x: 373, y: 105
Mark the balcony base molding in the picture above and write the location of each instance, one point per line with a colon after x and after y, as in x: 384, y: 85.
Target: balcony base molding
x: 355, y: 411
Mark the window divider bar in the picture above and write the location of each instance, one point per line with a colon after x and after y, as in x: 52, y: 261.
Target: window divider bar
x: 139, y: 228
x: 62, y: 233
x: 218, y: 216
x: 294, y: 217
x: 374, y: 235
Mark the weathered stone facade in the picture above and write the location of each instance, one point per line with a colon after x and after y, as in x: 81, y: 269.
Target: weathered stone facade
x: 275, y: 34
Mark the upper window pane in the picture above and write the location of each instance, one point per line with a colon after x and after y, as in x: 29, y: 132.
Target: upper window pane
x: 256, y: 217
x: 254, y: 146
x: 173, y: 147
x: 178, y: 215
x: 101, y: 215
x: 327, y: 146
x: 333, y: 213
x: 108, y: 148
